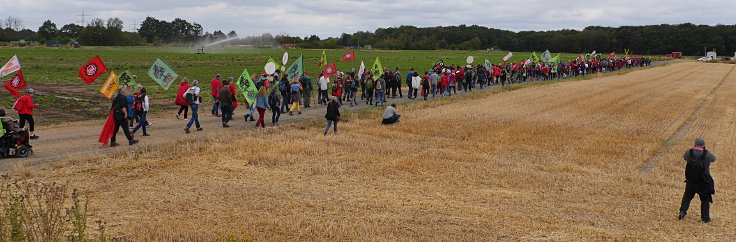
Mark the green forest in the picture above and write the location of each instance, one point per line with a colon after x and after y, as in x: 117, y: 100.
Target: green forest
x: 645, y: 40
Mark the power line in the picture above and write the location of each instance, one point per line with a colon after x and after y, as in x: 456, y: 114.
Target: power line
x: 83, y: 16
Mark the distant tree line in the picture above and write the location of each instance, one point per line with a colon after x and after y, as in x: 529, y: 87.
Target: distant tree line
x: 646, y: 40
x: 110, y: 33
x: 651, y: 39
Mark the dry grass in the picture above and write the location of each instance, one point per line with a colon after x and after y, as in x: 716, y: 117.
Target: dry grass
x: 556, y: 162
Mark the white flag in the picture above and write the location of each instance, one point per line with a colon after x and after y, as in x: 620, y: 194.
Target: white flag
x: 507, y: 57
x: 12, y: 66
x: 361, y: 70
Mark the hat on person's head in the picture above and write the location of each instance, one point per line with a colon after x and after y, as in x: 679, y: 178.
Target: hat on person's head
x: 264, y: 74
x: 306, y: 73
x: 700, y: 142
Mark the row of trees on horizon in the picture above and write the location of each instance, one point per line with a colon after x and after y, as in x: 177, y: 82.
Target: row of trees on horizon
x: 646, y: 40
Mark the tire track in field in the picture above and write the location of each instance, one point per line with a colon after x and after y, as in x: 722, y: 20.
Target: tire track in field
x: 684, y: 127
x: 612, y: 88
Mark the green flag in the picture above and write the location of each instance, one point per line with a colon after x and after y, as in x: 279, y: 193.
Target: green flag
x: 162, y: 73
x: 2, y: 129
x: 323, y: 59
x: 546, y: 56
x: 274, y: 62
x: 556, y: 59
x: 534, y: 57
x: 247, y: 87
x: 489, y: 65
x: 125, y: 79
x: 377, y: 66
x: 296, y: 69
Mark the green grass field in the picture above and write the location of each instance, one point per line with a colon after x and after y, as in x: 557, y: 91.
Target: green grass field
x: 49, y: 68
x: 47, y: 65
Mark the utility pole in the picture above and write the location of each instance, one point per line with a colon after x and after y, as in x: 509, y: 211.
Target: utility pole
x: 133, y: 27
x: 83, y: 16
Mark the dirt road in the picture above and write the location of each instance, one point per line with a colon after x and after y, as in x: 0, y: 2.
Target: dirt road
x: 69, y: 140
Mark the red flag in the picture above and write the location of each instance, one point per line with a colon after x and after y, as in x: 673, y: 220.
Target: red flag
x: 329, y: 70
x: 92, y: 70
x: 350, y: 56
x: 612, y: 54
x: 15, y: 84
x: 107, y: 130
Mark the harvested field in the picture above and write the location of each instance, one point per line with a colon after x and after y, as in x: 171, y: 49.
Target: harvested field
x: 591, y: 159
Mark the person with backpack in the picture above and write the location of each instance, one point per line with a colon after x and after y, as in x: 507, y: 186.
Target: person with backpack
x: 179, y: 100
x: 193, y: 98
x: 397, y: 82
x: 698, y: 180
x: 226, y: 103
x: 307, y: 89
x: 120, y: 112
x: 295, y: 88
x: 24, y: 105
x: 274, y: 99
x: 452, y: 83
x: 434, y: 79
x: 284, y: 89
x: 140, y: 108
x: 381, y: 90
x: 332, y: 115
x: 369, y: 89
x: 425, y: 85
x: 351, y: 88
x: 468, y: 82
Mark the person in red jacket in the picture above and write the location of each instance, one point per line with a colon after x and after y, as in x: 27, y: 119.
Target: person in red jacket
x: 183, y: 105
x: 444, y: 82
x: 215, y: 86
x: 25, y: 106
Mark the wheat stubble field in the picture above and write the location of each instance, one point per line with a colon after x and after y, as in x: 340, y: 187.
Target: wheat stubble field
x: 589, y: 159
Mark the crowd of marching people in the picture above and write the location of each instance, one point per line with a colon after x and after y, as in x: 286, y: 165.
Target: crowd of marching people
x: 281, y: 94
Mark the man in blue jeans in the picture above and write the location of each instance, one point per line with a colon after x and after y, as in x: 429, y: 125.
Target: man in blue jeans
x: 434, y: 79
x: 195, y: 92
x: 226, y: 103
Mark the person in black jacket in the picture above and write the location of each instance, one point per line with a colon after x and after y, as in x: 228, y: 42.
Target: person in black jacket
x: 699, y: 181
x: 333, y: 114
x: 120, y: 112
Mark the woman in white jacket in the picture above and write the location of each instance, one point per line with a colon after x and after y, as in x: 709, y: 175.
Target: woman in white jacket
x: 415, y: 83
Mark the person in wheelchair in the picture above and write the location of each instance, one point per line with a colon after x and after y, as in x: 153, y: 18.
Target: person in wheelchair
x: 9, y: 124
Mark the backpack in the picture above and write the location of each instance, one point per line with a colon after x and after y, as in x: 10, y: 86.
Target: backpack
x: 295, y: 88
x: 138, y: 103
x: 282, y: 86
x: 189, y: 97
x: 272, y: 100
x: 334, y: 88
x: 695, y: 169
x: 468, y: 76
x: 378, y: 85
x: 369, y: 83
x: 349, y: 83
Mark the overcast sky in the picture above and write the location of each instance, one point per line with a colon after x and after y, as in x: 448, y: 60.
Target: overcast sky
x: 330, y: 18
